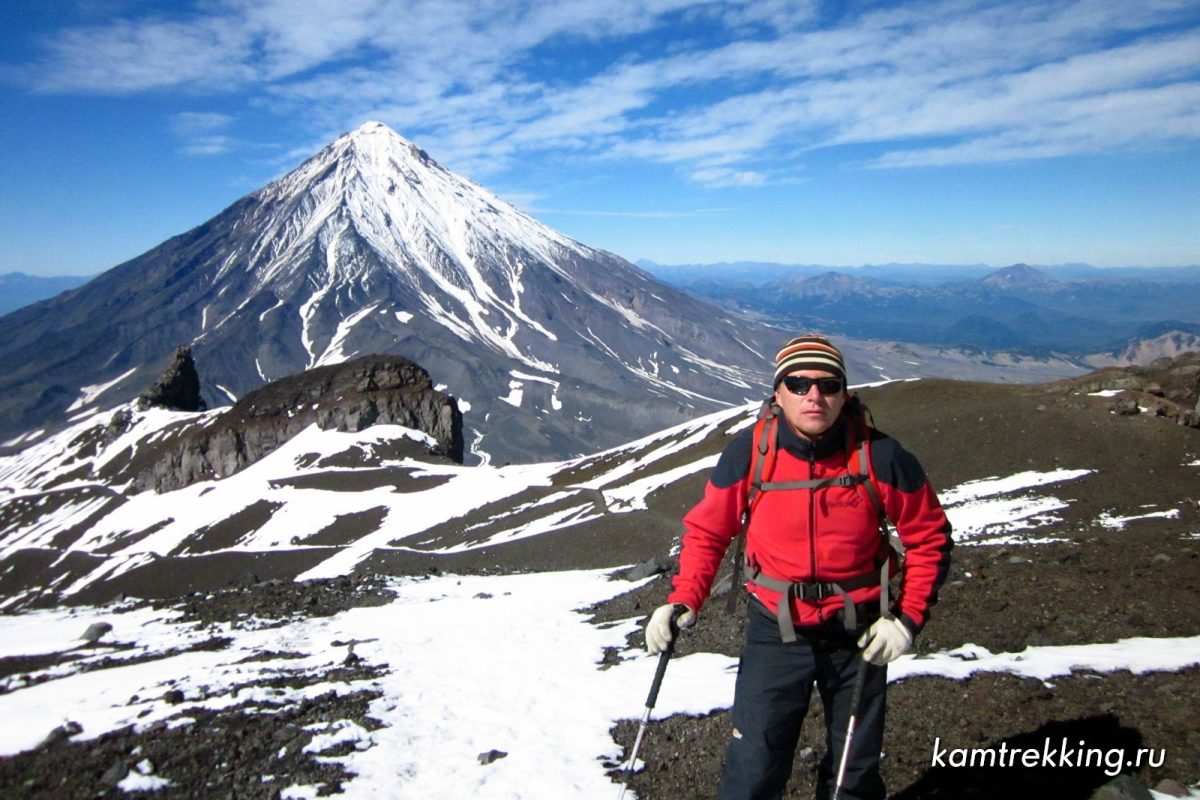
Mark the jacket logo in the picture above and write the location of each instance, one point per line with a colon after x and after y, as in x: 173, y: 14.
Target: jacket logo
x: 851, y: 503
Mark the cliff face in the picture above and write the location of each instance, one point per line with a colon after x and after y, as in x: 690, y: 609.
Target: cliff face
x: 372, y: 390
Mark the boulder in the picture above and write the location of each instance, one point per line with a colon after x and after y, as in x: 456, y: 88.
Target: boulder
x: 95, y: 632
x: 655, y: 565
x: 1122, y: 787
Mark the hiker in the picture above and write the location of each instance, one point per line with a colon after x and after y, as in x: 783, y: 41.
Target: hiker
x: 820, y: 550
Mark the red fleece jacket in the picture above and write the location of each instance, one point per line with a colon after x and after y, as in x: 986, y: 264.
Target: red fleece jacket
x: 827, y: 534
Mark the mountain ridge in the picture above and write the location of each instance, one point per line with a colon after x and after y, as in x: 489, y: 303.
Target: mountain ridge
x: 18, y: 289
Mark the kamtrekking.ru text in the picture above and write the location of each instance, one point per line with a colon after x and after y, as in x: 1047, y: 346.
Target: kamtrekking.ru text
x: 1051, y: 754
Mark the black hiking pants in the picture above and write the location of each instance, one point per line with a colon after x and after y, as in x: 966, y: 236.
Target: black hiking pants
x: 774, y: 686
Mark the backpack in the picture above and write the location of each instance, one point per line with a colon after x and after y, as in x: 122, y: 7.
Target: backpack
x: 859, y: 474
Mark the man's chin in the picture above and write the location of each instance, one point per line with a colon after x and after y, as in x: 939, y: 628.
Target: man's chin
x: 813, y: 430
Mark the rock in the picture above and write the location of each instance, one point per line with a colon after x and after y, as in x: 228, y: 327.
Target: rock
x: 723, y: 586
x: 1122, y: 787
x: 174, y: 697
x: 95, y: 632
x: 114, y: 774
x: 651, y: 566
x: 491, y: 755
x: 120, y: 422
x: 178, y: 388
x: 1171, y: 788
x: 61, y: 733
x: 1125, y: 407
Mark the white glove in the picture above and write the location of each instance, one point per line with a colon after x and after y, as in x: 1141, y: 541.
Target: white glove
x: 658, y: 629
x: 887, y: 640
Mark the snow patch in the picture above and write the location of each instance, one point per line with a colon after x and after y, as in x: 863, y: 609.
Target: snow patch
x: 263, y: 315
x: 1114, y: 522
x: 335, y: 353
x: 25, y: 437
x: 555, y: 403
x: 1139, y: 655
x: 142, y: 779
x: 484, y: 457
x: 88, y: 394
x: 515, y: 394
x: 1001, y: 510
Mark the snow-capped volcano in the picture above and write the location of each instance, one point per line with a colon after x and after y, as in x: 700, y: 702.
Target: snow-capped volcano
x: 372, y: 247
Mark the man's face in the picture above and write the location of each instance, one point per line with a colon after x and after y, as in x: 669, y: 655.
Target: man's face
x: 812, y: 413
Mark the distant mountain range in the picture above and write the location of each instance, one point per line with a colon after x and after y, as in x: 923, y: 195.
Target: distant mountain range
x: 904, y: 274
x: 1084, y: 312
x: 18, y: 289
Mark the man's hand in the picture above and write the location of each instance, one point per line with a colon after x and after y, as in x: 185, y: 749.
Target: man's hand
x: 658, y: 629
x: 887, y: 640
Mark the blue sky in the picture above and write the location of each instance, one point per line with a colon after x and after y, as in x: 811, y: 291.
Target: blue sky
x: 841, y: 133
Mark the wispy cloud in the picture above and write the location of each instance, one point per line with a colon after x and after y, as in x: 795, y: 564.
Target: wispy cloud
x: 129, y: 56
x: 200, y: 132
x: 704, y: 212
x: 727, y: 92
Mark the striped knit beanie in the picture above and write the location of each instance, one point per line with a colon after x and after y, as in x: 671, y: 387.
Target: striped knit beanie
x: 811, y: 351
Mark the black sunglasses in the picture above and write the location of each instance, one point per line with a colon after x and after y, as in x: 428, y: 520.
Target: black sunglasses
x: 800, y: 385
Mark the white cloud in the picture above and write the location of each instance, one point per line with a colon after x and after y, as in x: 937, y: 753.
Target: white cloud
x: 721, y: 177
x: 124, y: 57
x: 208, y: 146
x: 199, y: 133
x: 726, y: 92
x: 192, y: 122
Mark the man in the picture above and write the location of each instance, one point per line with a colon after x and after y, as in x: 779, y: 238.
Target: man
x: 813, y: 559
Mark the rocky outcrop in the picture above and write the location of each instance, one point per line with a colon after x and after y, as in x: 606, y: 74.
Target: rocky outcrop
x: 178, y: 388
x: 372, y: 390
x: 1169, y: 387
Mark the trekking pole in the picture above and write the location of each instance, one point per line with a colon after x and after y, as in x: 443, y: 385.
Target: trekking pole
x: 652, y: 698
x: 855, y: 699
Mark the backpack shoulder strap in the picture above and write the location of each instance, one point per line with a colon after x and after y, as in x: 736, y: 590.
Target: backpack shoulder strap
x: 890, y: 548
x: 858, y: 454
x: 762, y: 463
x: 762, y: 453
